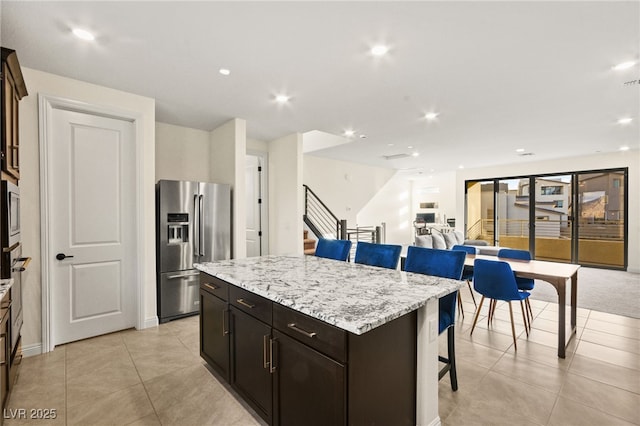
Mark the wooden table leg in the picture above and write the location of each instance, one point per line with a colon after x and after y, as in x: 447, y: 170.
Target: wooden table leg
x: 561, y: 287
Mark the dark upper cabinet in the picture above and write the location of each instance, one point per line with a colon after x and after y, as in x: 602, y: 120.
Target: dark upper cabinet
x: 12, y: 90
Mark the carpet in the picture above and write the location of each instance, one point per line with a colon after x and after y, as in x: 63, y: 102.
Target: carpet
x: 614, y: 292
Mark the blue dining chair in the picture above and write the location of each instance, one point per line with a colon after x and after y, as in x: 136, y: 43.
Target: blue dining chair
x: 333, y: 249
x: 383, y: 255
x: 494, y: 279
x: 446, y: 264
x: 467, y: 275
x: 524, y: 284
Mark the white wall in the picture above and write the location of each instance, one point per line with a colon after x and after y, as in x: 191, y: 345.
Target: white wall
x: 630, y: 159
x: 182, y: 153
x: 228, y: 158
x: 344, y: 187
x: 45, y: 83
x: 286, y: 196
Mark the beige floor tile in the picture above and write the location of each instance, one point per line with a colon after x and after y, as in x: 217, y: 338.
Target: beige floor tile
x: 94, y: 344
x: 27, y: 417
x: 611, y: 340
x: 502, y: 326
x: 21, y: 403
x: 552, y: 315
x: 580, y: 313
x: 150, y: 420
x: 86, y: 362
x: 186, y: 384
x: 616, y: 319
x: 602, y: 397
x: 191, y: 340
x: 612, y: 328
x: 542, y: 354
x: 490, y: 338
x: 469, y: 353
x: 115, y: 375
x: 151, y: 364
x: 183, y: 325
x: 551, y: 339
x: 570, y: 413
x: 530, y: 372
x: 610, y: 355
x: 223, y: 411
x: 604, y: 372
x: 119, y: 408
x: 500, y: 400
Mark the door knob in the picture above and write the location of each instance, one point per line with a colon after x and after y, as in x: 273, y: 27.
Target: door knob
x: 62, y: 256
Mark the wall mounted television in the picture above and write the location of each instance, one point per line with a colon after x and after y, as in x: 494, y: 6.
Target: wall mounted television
x: 426, y: 217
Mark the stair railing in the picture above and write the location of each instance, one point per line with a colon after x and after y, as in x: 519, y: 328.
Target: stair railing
x: 320, y: 220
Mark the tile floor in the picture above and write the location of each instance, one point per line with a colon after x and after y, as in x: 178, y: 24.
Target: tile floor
x: 156, y: 376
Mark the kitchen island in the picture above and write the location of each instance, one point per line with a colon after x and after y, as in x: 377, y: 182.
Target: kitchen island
x: 307, y: 340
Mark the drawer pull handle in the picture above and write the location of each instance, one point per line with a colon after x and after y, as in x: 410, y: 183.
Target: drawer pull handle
x: 211, y: 286
x: 225, y: 331
x: 245, y: 303
x: 265, y: 355
x: 301, y: 331
x: 272, y: 361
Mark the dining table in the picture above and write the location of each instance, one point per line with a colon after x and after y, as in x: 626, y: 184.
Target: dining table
x: 555, y: 273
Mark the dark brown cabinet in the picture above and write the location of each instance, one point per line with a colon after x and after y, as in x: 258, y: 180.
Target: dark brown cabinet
x: 293, y: 369
x: 251, y: 349
x: 5, y: 345
x: 12, y: 90
x: 310, y: 388
x: 214, y: 335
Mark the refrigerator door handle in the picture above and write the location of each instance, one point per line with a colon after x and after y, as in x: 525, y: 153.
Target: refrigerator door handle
x: 200, y: 229
x: 196, y: 228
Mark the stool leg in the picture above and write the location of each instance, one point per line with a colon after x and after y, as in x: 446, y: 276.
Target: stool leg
x: 452, y: 358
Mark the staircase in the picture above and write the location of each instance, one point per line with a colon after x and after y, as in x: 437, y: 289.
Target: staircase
x: 309, y: 243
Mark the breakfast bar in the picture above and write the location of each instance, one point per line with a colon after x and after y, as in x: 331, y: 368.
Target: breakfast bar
x: 308, y: 340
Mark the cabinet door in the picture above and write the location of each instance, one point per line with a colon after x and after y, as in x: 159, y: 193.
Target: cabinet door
x: 10, y: 123
x: 214, y: 332
x: 310, y: 388
x: 250, y: 374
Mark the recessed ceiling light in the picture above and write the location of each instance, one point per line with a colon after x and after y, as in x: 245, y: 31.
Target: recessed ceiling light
x: 431, y: 115
x: 625, y: 120
x: 461, y: 166
x: 349, y: 133
x: 83, y: 34
x: 520, y: 150
x: 363, y: 136
x: 415, y: 154
x: 389, y: 144
x: 625, y: 65
x: 282, y: 99
x: 624, y: 148
x: 379, y: 50
x: 410, y: 147
x: 224, y: 71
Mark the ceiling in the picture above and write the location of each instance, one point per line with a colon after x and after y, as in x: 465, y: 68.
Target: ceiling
x: 502, y: 76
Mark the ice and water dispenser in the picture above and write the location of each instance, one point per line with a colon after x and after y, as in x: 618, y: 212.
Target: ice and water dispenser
x: 178, y: 228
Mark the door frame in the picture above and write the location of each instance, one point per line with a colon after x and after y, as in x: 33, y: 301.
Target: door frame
x: 46, y: 105
x: 263, y: 156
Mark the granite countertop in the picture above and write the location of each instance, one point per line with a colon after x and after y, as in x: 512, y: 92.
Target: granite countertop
x: 5, y: 285
x: 353, y: 297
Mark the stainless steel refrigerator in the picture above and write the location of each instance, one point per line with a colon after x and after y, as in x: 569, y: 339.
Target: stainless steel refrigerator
x: 193, y: 225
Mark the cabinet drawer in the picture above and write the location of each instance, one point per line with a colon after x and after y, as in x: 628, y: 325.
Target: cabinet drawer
x: 215, y: 286
x: 254, y: 305
x: 321, y: 336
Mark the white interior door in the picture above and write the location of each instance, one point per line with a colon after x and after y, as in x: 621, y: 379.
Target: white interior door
x: 92, y: 216
x: 253, y: 194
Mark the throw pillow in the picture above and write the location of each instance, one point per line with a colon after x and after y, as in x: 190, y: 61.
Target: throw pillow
x: 424, y: 241
x: 450, y: 239
x: 438, y: 241
x: 459, y: 236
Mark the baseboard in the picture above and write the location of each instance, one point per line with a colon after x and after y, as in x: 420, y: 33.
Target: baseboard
x: 31, y: 350
x: 634, y: 269
x: 435, y: 422
x: 150, y: 322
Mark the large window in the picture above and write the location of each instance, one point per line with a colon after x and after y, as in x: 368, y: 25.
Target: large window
x: 574, y: 217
